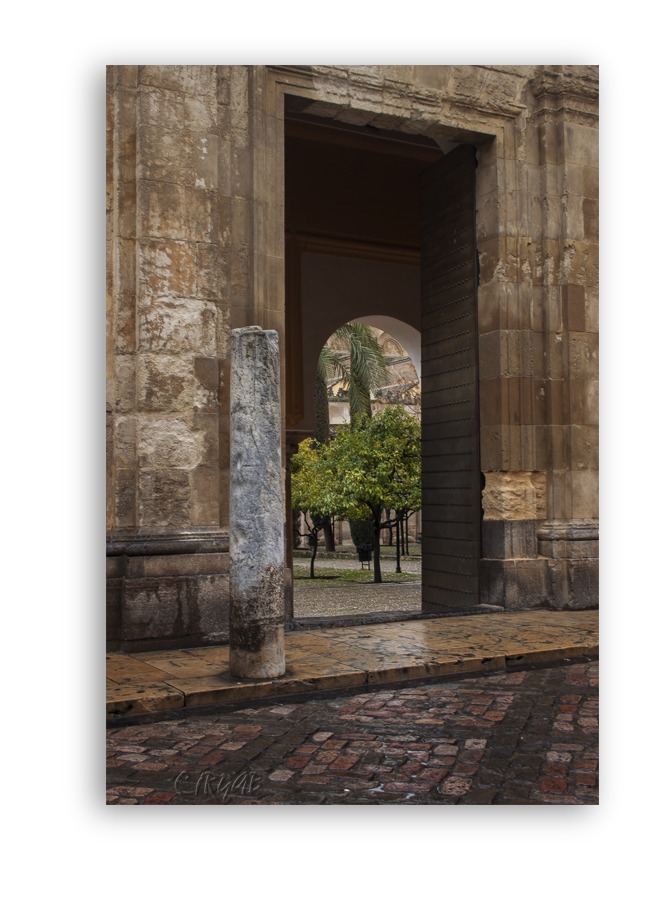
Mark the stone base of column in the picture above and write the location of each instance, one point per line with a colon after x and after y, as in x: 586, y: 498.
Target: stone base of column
x: 267, y: 661
x: 527, y: 565
x: 167, y: 589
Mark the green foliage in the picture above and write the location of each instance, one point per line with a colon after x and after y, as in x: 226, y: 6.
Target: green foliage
x: 321, y: 411
x: 295, y: 529
x: 362, y: 532
x: 364, y: 369
x: 362, y: 471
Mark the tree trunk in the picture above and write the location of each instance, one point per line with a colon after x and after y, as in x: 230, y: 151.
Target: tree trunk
x: 377, y: 574
x: 398, y: 546
x: 313, y: 556
x: 321, y: 411
x: 328, y: 533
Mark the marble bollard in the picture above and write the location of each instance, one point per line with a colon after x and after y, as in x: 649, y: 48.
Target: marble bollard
x: 257, y: 648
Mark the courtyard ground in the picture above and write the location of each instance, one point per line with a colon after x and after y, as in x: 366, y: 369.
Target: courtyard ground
x: 332, y: 597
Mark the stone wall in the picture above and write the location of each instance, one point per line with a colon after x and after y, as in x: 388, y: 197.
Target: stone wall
x: 167, y: 403
x: 196, y: 247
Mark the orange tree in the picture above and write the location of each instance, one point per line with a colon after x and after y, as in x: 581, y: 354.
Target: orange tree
x: 374, y: 467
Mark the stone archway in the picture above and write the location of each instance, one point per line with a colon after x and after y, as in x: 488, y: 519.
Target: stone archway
x: 408, y: 337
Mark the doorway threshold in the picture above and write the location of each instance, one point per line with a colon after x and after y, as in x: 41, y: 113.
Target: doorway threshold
x: 299, y: 624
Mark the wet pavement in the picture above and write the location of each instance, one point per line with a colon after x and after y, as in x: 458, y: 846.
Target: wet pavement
x: 525, y: 737
x: 352, y: 656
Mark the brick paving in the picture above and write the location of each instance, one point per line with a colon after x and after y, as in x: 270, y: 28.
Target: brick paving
x: 528, y: 737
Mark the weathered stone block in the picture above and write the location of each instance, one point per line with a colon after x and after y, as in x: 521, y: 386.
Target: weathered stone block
x: 165, y: 155
x: 125, y: 497
x: 164, y: 497
x: 162, y: 109
x: 490, y: 178
x: 550, y: 143
x: 206, y: 161
x: 585, y: 447
x: 493, y: 260
x: 513, y: 495
x: 581, y: 145
x: 124, y: 280
x: 207, y: 271
x: 583, y: 584
x: 179, y: 325
x: 124, y: 76
x: 195, y: 80
x: 175, y: 611
x: 166, y: 268
x: 590, y: 220
x: 177, y: 212
x: 494, y: 447
x: 543, y: 450
x: 526, y: 585
x: 514, y: 584
x: 224, y: 441
x: 579, y: 263
x: 167, y: 383
x: 573, y: 179
x: 493, y: 355
x: 577, y: 400
x: 555, y: 356
x: 125, y: 323
x: 574, y: 308
x: 490, y: 222
x: 591, y: 402
x: 169, y: 443
x: 560, y: 446
x: 509, y: 539
x: 538, y: 401
x: 113, y: 613
x: 556, y: 394
x: 200, y: 114
x: 205, y: 496
x: 206, y: 370
x: 520, y: 353
x: 492, y: 314
x: 573, y: 218
x: 175, y: 565
x: 518, y: 299
x: 590, y: 183
x: 125, y: 441
x: 434, y: 78
x: 559, y: 495
x: 592, y: 310
x: 585, y: 494
x: 494, y: 408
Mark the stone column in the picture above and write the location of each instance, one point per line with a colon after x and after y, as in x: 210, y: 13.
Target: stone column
x: 257, y: 649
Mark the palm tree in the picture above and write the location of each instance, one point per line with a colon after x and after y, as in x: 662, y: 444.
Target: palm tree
x: 363, y: 371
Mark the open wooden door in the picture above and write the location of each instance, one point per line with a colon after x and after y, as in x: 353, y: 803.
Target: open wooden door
x: 451, y: 490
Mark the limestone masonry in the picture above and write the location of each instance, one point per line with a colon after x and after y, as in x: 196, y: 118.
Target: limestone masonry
x: 288, y: 198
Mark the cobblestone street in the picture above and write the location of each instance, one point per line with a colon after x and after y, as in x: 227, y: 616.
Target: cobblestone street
x: 526, y: 737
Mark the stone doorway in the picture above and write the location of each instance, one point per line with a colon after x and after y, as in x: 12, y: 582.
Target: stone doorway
x: 355, y: 201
